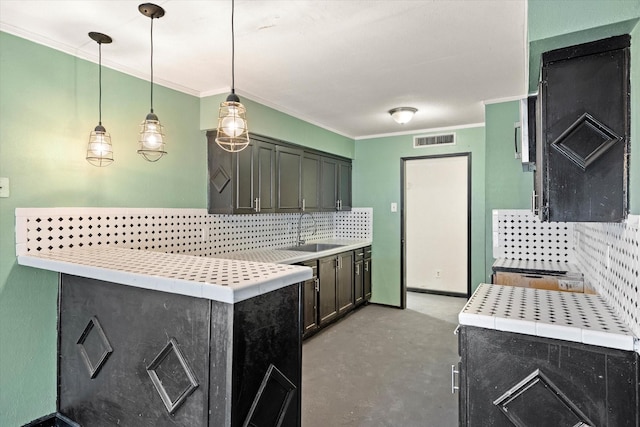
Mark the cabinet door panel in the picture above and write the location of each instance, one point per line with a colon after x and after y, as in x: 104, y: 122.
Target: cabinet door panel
x: 309, y: 308
x: 289, y: 172
x: 367, y: 279
x: 344, y: 185
x: 358, y: 285
x: 328, y: 302
x: 244, y: 176
x: 586, y: 118
x: 345, y: 282
x: 265, y: 179
x: 311, y: 182
x: 329, y: 184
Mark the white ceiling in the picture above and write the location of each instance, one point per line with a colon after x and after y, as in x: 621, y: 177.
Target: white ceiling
x: 341, y: 64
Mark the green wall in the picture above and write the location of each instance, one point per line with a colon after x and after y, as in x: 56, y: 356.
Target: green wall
x: 48, y: 106
x: 377, y: 183
x: 507, y: 186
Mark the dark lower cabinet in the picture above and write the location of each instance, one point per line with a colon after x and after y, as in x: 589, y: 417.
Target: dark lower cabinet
x: 138, y: 357
x: 327, y: 292
x: 367, y: 273
x: 344, y: 272
x: 509, y: 379
x: 310, y: 300
x: 358, y: 277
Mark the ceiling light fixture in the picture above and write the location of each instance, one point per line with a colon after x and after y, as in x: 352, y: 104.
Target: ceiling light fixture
x: 402, y: 115
x: 99, y: 149
x: 151, y: 140
x: 233, y: 133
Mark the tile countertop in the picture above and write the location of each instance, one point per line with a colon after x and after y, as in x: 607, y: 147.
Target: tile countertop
x: 228, y: 278
x: 221, y: 280
x: 552, y: 314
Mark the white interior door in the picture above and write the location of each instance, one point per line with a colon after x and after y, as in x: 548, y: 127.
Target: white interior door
x: 436, y: 209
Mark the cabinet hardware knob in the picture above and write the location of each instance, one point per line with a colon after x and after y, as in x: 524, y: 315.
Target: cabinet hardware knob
x: 454, y: 387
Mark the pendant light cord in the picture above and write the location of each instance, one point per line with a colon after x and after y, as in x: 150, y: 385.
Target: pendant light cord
x: 152, y: 64
x: 100, y: 84
x: 233, y: 50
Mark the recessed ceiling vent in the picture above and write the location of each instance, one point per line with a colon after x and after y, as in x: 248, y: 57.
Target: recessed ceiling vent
x: 434, y: 140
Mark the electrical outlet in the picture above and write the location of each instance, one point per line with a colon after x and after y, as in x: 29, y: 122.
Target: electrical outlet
x: 438, y: 274
x: 394, y: 207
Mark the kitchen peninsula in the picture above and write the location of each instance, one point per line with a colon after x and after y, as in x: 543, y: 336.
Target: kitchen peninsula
x: 149, y: 338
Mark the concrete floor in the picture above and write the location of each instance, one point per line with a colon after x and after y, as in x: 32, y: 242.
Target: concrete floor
x: 383, y: 366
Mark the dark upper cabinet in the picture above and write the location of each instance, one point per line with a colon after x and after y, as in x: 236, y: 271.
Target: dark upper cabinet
x: 289, y: 178
x: 310, y: 182
x: 336, y: 184
x: 274, y: 176
x: 584, y: 144
x: 242, y: 182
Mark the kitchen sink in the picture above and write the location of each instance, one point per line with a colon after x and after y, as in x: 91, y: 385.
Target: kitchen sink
x: 311, y: 247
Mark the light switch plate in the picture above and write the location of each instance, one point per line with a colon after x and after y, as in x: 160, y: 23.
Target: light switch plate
x: 394, y: 207
x: 4, y: 187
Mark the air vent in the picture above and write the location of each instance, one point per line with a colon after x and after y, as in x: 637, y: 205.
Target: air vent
x: 433, y: 140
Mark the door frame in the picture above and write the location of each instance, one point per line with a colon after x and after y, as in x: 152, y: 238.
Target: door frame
x: 403, y: 229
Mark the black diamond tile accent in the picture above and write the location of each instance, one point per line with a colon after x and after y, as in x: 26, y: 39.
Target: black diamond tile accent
x: 585, y: 141
x: 172, y: 376
x: 220, y: 179
x: 94, y: 346
x: 522, y: 404
x: 270, y: 405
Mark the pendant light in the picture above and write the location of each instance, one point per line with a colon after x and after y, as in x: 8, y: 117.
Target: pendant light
x: 151, y: 140
x: 402, y: 115
x: 233, y: 133
x: 99, y: 149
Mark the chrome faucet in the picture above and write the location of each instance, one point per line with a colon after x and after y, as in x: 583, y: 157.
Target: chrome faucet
x: 301, y: 241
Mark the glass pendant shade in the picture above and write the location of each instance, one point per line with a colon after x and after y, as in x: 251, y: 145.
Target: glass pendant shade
x: 151, y: 142
x: 151, y: 139
x: 233, y: 134
x: 403, y: 115
x: 100, y: 150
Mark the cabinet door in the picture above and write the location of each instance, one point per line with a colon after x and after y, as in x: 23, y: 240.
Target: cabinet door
x: 329, y: 194
x: 345, y: 282
x: 367, y: 279
x: 586, y: 119
x: 327, y: 295
x: 344, y: 186
x: 245, y: 179
x: 512, y: 379
x: 310, y: 182
x: 358, y: 282
x: 289, y: 177
x: 310, y: 306
x: 264, y: 175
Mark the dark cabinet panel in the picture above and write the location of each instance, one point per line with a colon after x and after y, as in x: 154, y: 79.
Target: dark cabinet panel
x: 336, y: 184
x: 511, y: 379
x: 310, y: 290
x: 367, y: 273
x: 358, y: 282
x: 275, y: 176
x: 289, y: 173
x: 242, y: 182
x: 345, y: 282
x: 140, y: 357
x: 585, y: 137
x: 329, y: 195
x: 327, y: 294
x: 310, y: 182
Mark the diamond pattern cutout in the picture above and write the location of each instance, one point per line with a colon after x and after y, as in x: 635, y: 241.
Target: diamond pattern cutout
x: 94, y: 346
x: 172, y: 376
x: 220, y: 179
x: 585, y: 141
x: 523, y: 402
x: 272, y: 400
